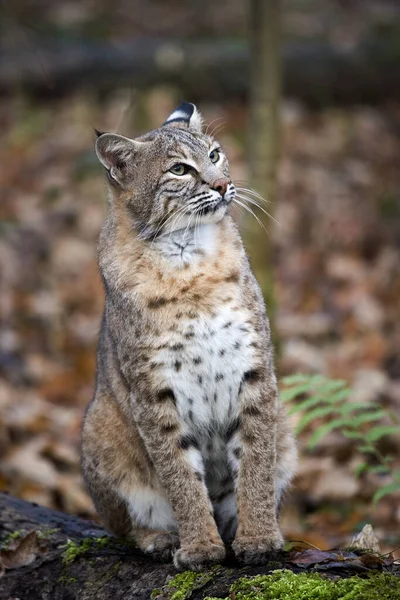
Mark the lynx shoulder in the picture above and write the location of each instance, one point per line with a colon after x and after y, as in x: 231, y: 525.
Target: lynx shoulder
x: 185, y: 446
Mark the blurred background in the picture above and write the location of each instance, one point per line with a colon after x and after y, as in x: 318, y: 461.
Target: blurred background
x: 304, y: 96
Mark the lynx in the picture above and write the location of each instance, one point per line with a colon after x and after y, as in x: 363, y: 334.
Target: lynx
x: 185, y: 446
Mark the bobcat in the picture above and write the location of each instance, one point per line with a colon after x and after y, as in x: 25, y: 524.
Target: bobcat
x: 185, y: 446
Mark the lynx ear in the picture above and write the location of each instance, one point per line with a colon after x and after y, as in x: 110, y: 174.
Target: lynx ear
x: 186, y: 115
x: 116, y: 153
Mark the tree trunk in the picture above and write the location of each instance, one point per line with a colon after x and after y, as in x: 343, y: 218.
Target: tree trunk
x: 77, y: 559
x: 264, y: 138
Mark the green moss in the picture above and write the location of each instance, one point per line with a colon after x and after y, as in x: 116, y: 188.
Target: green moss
x: 47, y: 532
x: 66, y: 580
x: 285, y: 585
x: 183, y: 584
x: 73, y: 550
x: 4, y: 545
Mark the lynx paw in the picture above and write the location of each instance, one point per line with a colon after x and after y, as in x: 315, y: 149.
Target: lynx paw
x: 196, y: 556
x: 255, y: 550
x: 161, y: 546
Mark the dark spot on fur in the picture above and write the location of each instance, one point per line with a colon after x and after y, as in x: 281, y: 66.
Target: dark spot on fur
x: 221, y: 352
x: 188, y: 441
x: 248, y: 437
x: 227, y: 299
x: 219, y: 377
x: 179, y: 314
x: 197, y: 360
x: 176, y: 347
x: 244, y: 329
x: 165, y: 395
x: 228, y: 324
x: 200, y: 379
x: 161, y: 347
x: 189, y: 335
x: 196, y: 296
x: 190, y: 400
x: 190, y: 415
x: 169, y: 427
x: 192, y: 314
x: 252, y: 376
x: 237, y: 452
x: 237, y: 345
x: 177, y: 365
x: 233, y: 277
x: 233, y: 428
x: 155, y: 365
x: 215, y: 397
x: 253, y: 344
x: 157, y: 302
x: 252, y: 411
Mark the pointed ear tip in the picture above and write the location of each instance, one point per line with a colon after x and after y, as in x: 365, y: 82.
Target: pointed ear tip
x: 98, y: 133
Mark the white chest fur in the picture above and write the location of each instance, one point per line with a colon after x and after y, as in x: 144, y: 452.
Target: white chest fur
x: 204, y: 364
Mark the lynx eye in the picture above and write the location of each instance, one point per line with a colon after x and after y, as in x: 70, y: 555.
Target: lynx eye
x: 214, y: 156
x: 179, y: 169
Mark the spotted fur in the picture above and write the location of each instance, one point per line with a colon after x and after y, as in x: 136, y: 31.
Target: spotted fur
x: 185, y: 446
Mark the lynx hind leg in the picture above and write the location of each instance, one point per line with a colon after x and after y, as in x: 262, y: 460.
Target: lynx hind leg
x: 286, y: 457
x: 123, y: 485
x: 138, y: 521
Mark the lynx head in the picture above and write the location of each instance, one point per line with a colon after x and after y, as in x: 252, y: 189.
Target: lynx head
x: 174, y: 177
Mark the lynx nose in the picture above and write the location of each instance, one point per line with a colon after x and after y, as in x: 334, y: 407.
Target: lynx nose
x: 221, y: 185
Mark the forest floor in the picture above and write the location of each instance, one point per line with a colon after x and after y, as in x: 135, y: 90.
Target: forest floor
x: 336, y: 270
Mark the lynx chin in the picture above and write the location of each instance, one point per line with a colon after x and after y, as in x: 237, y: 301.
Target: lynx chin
x: 185, y: 445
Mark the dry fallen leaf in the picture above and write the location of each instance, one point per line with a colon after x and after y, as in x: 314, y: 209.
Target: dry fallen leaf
x: 366, y: 540
x: 21, y: 552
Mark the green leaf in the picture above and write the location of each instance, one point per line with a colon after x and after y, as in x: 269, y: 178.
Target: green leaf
x: 296, y: 378
x: 290, y: 394
x: 303, y: 405
x: 331, y: 385
x: 385, y: 491
x: 368, y: 449
x: 338, y: 396
x: 353, y: 435
x: 351, y: 407
x: 376, y: 433
x: 317, y: 413
x: 361, y: 468
x: 324, y: 430
x: 379, y: 469
x: 368, y: 417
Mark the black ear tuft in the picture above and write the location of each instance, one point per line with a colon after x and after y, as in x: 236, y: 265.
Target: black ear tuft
x: 97, y: 132
x: 183, y: 112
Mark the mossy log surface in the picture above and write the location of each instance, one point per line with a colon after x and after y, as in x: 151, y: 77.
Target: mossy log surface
x: 78, y: 559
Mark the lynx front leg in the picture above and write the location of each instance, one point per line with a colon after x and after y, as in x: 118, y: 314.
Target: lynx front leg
x: 178, y: 463
x: 258, y: 531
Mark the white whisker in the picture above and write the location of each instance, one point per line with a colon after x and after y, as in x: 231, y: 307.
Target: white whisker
x: 252, y: 213
x: 254, y: 203
x: 213, y: 121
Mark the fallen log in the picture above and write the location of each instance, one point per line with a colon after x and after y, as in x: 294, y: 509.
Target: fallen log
x: 48, y: 555
x: 318, y: 73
